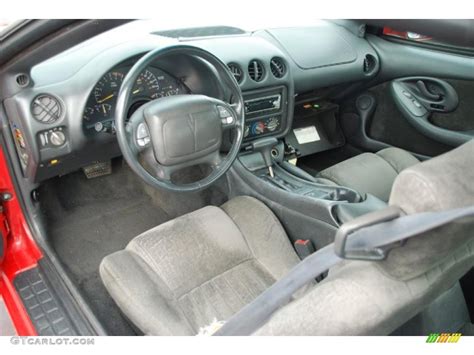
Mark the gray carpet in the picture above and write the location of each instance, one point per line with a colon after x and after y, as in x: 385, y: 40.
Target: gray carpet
x: 89, y: 219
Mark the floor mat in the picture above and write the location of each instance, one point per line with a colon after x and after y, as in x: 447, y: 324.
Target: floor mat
x: 89, y: 219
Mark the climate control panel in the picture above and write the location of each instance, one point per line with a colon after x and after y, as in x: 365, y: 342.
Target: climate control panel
x: 263, y: 126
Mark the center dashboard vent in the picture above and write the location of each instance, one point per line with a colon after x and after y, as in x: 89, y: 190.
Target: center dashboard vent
x: 236, y: 71
x: 256, y: 70
x: 278, y: 68
x: 46, y: 108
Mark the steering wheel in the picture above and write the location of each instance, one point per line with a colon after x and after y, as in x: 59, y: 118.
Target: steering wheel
x: 175, y: 132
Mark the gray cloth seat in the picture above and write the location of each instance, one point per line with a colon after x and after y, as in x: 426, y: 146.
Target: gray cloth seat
x: 369, y: 172
x: 205, y: 266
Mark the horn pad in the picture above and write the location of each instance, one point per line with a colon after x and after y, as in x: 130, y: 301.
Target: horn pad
x: 183, y: 128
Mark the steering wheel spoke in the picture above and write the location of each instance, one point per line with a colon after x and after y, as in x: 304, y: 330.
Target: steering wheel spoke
x: 227, y: 116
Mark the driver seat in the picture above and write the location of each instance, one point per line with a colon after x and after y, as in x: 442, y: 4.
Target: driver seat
x: 205, y: 266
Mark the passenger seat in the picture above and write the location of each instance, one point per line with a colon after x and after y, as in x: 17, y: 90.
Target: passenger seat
x: 369, y: 172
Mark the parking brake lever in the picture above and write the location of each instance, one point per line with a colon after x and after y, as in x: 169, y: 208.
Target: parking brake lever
x: 264, y: 146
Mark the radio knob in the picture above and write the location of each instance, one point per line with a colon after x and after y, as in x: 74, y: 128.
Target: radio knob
x: 57, y: 138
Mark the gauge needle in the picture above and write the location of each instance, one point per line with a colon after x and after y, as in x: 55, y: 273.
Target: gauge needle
x: 105, y: 98
x: 136, y: 91
x: 103, y: 109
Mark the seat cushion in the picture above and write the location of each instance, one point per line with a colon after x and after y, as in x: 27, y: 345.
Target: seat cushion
x: 206, y: 265
x: 370, y: 173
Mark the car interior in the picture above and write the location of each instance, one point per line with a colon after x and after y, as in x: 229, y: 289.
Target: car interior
x: 175, y: 175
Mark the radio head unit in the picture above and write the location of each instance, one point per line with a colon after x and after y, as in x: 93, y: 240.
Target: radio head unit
x: 266, y: 104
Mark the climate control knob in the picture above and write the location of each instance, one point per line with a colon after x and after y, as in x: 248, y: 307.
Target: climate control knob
x: 57, y: 138
x: 272, y: 124
x: 258, y: 128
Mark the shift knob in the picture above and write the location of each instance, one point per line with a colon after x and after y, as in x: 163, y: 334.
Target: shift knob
x: 264, y: 146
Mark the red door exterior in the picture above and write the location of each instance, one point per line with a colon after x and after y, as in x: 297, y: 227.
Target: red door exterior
x: 21, y: 252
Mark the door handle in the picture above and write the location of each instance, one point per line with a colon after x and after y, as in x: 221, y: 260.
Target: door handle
x: 426, y: 93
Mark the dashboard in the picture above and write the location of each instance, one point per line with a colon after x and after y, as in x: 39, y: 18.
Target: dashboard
x: 62, y: 119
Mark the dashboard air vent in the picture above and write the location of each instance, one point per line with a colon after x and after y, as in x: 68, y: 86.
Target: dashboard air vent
x: 277, y: 67
x: 46, y: 108
x: 370, y: 64
x: 236, y: 71
x: 22, y: 80
x: 256, y: 70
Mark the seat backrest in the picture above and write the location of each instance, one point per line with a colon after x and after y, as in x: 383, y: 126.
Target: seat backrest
x: 375, y: 298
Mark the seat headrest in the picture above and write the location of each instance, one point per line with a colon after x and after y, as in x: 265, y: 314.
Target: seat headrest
x: 442, y: 183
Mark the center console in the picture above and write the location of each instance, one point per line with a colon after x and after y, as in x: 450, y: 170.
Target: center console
x: 308, y: 207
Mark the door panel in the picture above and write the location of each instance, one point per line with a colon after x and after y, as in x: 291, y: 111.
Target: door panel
x: 388, y: 123
x: 462, y: 119
x: 389, y: 126
x: 418, y: 98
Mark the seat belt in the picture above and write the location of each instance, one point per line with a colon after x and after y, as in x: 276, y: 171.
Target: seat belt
x: 369, y: 237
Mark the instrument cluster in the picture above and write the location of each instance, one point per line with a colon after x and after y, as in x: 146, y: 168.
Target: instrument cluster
x: 151, y: 84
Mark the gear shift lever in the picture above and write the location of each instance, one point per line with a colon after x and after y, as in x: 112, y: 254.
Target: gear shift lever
x: 264, y: 146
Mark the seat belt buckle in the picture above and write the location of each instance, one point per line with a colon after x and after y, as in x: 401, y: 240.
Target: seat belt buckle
x: 361, y: 252
x: 304, y: 248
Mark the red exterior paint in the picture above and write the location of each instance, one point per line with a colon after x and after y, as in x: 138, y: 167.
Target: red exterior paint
x: 22, y: 253
x: 387, y: 31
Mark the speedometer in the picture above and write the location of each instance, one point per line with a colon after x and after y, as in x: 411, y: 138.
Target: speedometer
x: 147, y: 85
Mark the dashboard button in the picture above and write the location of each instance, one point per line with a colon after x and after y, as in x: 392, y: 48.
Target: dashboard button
x: 99, y: 127
x: 223, y: 113
x: 143, y: 138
